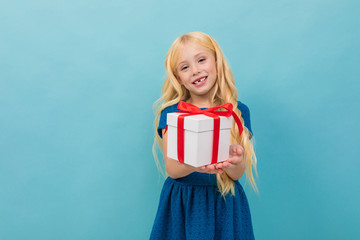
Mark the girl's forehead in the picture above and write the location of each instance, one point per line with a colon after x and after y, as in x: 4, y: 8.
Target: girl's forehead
x: 191, y: 49
x: 193, y: 46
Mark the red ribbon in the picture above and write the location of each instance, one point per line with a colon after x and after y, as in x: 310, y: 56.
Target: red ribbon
x: 211, y: 112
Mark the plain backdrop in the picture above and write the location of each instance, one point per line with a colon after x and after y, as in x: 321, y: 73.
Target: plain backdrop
x: 77, y: 84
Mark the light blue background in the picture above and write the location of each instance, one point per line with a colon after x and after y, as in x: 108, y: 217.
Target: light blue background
x: 77, y: 84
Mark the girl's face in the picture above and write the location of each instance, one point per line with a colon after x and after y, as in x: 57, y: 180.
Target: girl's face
x: 196, y: 69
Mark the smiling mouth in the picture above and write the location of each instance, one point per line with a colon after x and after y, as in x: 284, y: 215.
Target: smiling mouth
x: 199, y: 80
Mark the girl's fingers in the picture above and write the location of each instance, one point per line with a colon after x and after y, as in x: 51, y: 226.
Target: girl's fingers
x: 211, y: 167
x: 226, y: 164
x: 231, y: 160
x: 236, y: 149
x: 219, y: 167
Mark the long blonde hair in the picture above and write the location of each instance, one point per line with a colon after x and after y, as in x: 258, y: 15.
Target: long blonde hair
x: 224, y: 91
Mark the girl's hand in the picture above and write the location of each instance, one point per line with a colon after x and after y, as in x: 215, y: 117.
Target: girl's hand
x: 236, y: 156
x: 211, y: 169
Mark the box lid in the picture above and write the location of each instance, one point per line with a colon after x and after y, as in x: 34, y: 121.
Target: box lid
x: 198, y: 123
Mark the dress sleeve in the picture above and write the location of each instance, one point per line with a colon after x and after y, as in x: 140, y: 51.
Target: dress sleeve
x: 245, y: 114
x: 162, y: 121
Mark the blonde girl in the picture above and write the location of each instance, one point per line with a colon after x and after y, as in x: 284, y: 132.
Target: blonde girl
x: 206, y: 202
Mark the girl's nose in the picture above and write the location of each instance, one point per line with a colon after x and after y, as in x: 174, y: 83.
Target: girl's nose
x: 195, y: 70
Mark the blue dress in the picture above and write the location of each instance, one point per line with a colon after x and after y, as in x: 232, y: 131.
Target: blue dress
x: 192, y: 208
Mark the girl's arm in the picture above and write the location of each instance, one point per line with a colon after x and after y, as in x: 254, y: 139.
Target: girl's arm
x: 177, y: 170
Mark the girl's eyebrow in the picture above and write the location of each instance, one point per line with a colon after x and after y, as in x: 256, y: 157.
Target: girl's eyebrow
x: 196, y: 55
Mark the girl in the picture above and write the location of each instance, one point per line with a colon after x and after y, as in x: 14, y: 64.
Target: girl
x: 206, y: 202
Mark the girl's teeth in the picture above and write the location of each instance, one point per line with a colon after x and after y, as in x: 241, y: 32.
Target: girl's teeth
x: 199, y: 81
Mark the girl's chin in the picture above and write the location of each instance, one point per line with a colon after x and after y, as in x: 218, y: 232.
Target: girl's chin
x: 199, y: 93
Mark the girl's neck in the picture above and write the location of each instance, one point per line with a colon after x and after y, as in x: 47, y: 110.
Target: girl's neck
x: 200, y: 102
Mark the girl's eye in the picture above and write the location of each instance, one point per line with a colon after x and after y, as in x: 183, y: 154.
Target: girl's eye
x: 184, y: 68
x: 202, y: 59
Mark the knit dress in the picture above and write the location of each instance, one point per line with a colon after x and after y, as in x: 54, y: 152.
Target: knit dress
x: 192, y: 208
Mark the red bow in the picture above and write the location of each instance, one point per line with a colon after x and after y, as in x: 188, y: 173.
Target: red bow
x: 211, y: 112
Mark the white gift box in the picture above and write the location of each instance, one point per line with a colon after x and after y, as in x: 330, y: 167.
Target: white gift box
x: 198, y: 138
